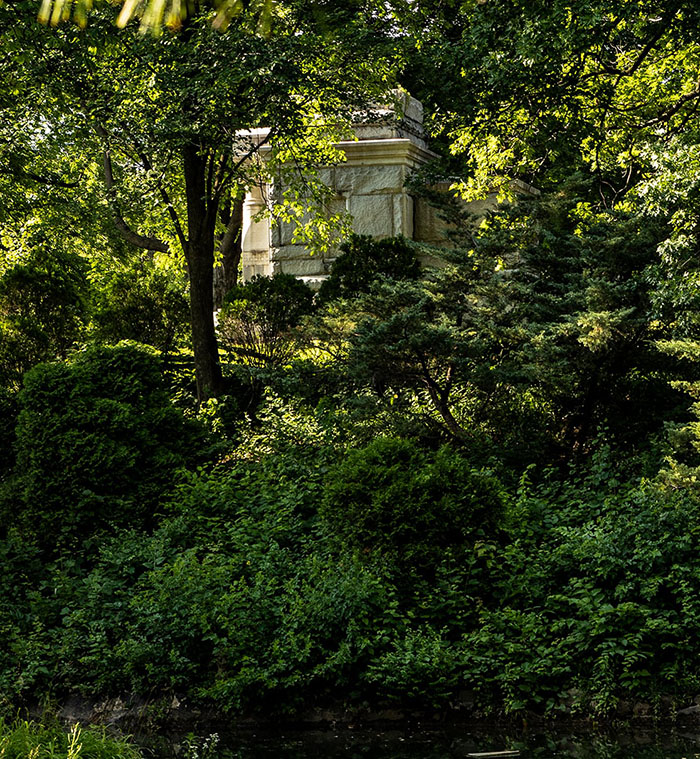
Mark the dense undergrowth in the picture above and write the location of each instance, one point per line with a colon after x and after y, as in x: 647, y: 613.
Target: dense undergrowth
x: 464, y: 489
x: 245, y: 598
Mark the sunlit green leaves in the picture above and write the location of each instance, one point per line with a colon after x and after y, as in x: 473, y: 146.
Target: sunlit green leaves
x: 525, y: 90
x: 155, y: 15
x: 55, y: 11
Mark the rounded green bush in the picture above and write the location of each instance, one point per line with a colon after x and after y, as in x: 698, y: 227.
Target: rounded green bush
x: 43, y: 311
x: 97, y: 443
x: 8, y: 418
x: 362, y: 259
x: 283, y: 299
x: 393, y: 496
x: 144, y: 303
x: 257, y: 320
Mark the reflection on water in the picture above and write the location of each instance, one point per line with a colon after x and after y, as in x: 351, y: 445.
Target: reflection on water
x: 424, y: 744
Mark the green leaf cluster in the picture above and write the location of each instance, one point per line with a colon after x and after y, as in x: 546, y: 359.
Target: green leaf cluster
x: 97, y: 444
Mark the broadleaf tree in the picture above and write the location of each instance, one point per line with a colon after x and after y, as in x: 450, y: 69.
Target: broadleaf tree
x: 172, y: 119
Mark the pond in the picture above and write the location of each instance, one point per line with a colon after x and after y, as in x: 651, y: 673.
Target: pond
x: 428, y: 744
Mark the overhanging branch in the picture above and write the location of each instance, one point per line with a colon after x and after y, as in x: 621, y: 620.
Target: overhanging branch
x: 131, y: 236
x: 48, y: 180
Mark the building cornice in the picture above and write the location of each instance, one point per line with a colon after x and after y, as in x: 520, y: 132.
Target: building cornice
x: 384, y: 151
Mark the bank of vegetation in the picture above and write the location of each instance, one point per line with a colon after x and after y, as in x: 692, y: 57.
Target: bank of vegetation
x: 471, y: 486
x: 49, y: 740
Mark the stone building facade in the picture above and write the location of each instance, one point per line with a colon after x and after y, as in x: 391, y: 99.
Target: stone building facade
x: 369, y: 185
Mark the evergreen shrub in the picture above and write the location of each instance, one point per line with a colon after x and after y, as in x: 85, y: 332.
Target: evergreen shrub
x: 258, y: 317
x: 43, y: 310
x: 363, y: 259
x: 144, y: 303
x: 98, y: 442
x: 8, y: 418
x: 393, y: 496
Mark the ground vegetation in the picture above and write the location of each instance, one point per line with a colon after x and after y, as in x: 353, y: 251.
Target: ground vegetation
x: 467, y: 486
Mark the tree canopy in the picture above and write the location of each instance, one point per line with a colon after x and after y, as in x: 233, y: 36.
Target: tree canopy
x: 164, y: 124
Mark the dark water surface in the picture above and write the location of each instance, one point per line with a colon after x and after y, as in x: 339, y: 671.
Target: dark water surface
x: 426, y: 744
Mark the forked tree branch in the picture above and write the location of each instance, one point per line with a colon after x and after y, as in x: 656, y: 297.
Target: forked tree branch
x: 131, y: 236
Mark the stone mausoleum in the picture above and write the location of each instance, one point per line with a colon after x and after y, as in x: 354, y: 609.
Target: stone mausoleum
x: 369, y: 185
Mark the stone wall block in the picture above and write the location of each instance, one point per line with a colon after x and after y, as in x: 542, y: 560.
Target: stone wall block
x: 429, y: 227
x: 309, y: 266
x: 403, y: 215
x: 289, y: 252
x: 285, y: 232
x: 326, y: 174
x: 369, y: 180
x: 372, y: 214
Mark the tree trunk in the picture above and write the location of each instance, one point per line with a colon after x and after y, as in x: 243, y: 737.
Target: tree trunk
x: 226, y: 273
x: 206, y: 350
x: 200, y: 262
